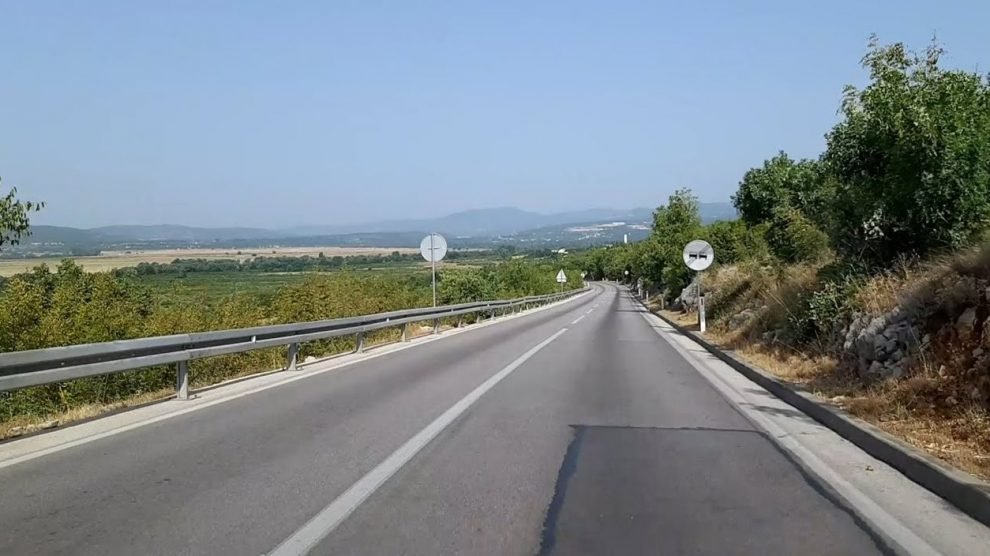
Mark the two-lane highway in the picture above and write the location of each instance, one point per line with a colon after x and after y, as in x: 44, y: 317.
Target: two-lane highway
x: 572, y: 430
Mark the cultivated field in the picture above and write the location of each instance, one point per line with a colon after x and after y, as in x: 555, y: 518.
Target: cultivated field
x: 110, y: 260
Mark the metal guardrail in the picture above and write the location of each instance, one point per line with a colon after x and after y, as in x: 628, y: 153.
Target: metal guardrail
x: 37, y: 367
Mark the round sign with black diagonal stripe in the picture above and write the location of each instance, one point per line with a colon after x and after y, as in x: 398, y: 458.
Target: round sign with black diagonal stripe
x: 698, y: 255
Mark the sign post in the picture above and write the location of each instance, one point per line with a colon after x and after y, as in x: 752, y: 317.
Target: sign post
x: 561, y: 279
x: 698, y: 256
x: 433, y: 248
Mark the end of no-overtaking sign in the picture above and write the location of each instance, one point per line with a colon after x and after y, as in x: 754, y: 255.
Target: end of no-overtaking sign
x: 698, y: 256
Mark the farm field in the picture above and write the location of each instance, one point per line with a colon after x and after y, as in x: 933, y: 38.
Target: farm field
x: 110, y: 260
x: 211, y: 288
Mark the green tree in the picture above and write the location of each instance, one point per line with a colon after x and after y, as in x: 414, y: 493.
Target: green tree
x: 674, y: 225
x: 463, y: 286
x: 912, y: 156
x: 14, y: 217
x: 793, y: 238
x: 783, y: 182
x: 735, y: 241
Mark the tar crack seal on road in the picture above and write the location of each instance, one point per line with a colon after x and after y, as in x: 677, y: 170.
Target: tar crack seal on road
x: 567, y: 470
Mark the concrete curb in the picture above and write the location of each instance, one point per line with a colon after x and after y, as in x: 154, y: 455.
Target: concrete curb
x: 965, y: 492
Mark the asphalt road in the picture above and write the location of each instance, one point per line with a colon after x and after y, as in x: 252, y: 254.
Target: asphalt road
x: 601, y: 439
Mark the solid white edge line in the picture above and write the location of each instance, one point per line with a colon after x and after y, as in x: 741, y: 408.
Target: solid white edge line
x: 304, y: 373
x: 866, y: 507
x: 577, y: 320
x: 323, y: 523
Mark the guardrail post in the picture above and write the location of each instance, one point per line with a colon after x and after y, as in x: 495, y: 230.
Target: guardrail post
x: 182, y: 380
x: 405, y: 332
x: 460, y: 321
x: 436, y: 326
x: 359, y: 343
x: 293, y: 357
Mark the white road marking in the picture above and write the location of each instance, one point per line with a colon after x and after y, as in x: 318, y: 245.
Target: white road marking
x: 577, y: 320
x: 196, y: 404
x: 867, y: 508
x: 323, y: 523
x: 588, y: 312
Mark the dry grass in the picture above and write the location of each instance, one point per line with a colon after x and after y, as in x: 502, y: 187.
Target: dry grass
x: 913, y: 409
x: 26, y: 424
x: 109, y: 260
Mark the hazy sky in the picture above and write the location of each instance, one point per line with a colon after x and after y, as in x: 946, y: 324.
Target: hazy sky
x: 282, y: 113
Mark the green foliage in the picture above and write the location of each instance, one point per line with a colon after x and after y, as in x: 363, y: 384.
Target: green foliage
x: 781, y: 182
x: 674, y: 225
x: 657, y: 260
x: 14, y: 217
x: 911, y: 156
x: 734, y: 241
x: 463, y: 286
x: 822, y: 313
x: 320, y: 263
x: 46, y: 309
x: 793, y: 238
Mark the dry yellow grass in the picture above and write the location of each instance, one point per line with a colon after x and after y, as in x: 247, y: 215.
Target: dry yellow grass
x: 901, y: 408
x: 110, y: 260
x: 29, y: 423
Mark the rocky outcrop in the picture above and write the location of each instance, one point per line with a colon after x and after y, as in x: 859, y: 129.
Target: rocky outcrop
x: 688, y: 299
x: 882, y: 346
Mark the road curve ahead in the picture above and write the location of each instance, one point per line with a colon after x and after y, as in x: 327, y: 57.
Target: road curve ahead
x: 572, y: 430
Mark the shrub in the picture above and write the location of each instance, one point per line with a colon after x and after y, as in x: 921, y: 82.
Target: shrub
x: 734, y: 241
x: 793, y: 238
x: 912, y: 157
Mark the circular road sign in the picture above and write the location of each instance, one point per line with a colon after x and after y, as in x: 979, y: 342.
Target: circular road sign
x: 698, y: 255
x: 433, y: 247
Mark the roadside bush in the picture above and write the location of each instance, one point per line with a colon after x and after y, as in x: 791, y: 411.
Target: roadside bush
x: 793, y: 238
x: 463, y: 286
x: 912, y: 157
x: 783, y: 183
x: 46, y: 309
x: 734, y: 241
x: 821, y: 314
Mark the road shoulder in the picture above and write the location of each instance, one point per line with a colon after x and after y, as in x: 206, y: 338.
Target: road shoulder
x: 910, y: 518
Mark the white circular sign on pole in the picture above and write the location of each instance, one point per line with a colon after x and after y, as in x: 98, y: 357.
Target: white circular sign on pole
x: 698, y: 255
x: 433, y: 248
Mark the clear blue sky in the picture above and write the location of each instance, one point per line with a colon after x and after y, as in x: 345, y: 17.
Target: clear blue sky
x: 280, y: 113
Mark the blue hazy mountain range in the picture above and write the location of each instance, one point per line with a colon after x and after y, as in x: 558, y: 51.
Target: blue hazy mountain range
x: 495, y: 223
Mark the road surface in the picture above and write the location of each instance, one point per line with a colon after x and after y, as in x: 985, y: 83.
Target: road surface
x: 577, y: 429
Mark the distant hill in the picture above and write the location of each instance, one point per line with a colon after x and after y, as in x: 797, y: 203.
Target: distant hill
x: 166, y: 232
x: 583, y: 234
x: 137, y: 233
x: 478, y: 223
x: 61, y: 235
x: 634, y: 225
x: 710, y: 212
x: 471, y: 227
